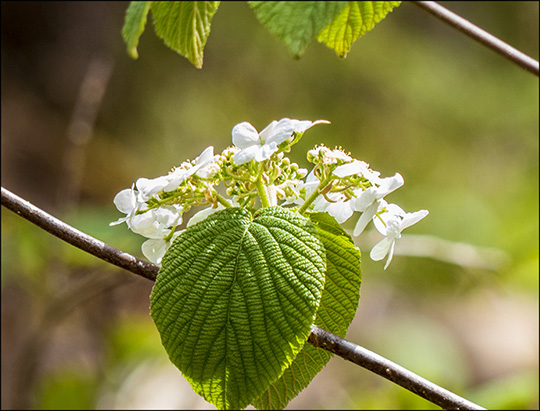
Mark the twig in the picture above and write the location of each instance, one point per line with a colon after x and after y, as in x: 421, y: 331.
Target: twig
x: 318, y: 338
x: 482, y: 36
x: 389, y: 370
x: 77, y: 238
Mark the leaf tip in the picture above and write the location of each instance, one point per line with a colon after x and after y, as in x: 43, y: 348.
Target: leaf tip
x: 132, y: 52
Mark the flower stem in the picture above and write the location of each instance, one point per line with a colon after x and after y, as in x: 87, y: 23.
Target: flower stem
x: 261, y: 189
x: 222, y: 200
x: 322, y: 185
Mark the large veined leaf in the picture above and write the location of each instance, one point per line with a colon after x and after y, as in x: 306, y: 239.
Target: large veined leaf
x: 235, y: 299
x: 134, y: 24
x: 354, y: 20
x: 296, y: 23
x: 184, y: 26
x: 336, y: 311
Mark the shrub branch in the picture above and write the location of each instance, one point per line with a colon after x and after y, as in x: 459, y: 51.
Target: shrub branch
x: 482, y: 36
x: 318, y: 337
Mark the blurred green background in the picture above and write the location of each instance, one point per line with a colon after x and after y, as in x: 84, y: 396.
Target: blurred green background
x: 82, y: 121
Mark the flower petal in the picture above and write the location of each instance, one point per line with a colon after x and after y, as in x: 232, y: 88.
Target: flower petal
x: 348, y: 169
x: 125, y: 201
x: 206, y: 156
x: 278, y: 132
x: 148, y: 187
x: 119, y: 221
x: 203, y: 163
x: 152, y: 224
x: 389, y: 184
x: 341, y: 211
x: 246, y: 154
x: 365, y: 198
x: 169, y: 215
x: 303, y: 125
x: 381, y: 220
x: 154, y: 249
x: 413, y: 218
x: 390, y: 255
x: 245, y: 135
x: 266, y: 151
x: 381, y: 249
x: 201, y: 215
x: 393, y: 210
x: 268, y: 131
x: 364, y: 219
x: 175, y: 178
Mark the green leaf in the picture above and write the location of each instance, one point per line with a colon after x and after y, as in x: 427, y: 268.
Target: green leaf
x: 338, y: 307
x: 354, y: 20
x: 184, y: 26
x: 235, y: 299
x: 134, y: 24
x: 296, y: 23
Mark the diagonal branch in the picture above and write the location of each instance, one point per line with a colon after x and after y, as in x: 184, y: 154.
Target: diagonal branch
x: 389, y: 370
x: 77, y: 238
x: 482, y: 36
x: 318, y: 338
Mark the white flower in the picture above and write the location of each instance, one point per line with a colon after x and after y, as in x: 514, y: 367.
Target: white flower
x: 295, y: 194
x: 148, y: 187
x: 175, y: 178
x: 358, y: 167
x: 203, y: 168
x: 203, y: 164
x: 339, y: 207
x: 260, y: 146
x: 391, y: 224
x: 369, y: 201
x: 309, y: 186
x: 330, y: 156
x: 155, y: 248
x: 128, y: 201
x: 201, y: 215
x: 158, y: 222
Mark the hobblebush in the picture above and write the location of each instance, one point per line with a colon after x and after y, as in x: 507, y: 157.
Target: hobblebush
x: 264, y: 259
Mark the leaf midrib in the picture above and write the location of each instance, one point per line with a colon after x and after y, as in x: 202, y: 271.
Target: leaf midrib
x: 226, y: 390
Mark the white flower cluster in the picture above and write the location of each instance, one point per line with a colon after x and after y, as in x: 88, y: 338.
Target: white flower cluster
x: 256, y: 167
x: 158, y: 224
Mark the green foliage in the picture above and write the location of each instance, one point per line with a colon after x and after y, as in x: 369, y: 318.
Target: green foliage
x: 134, y: 25
x: 354, y: 20
x: 235, y: 300
x: 338, y: 306
x: 184, y: 26
x: 296, y: 23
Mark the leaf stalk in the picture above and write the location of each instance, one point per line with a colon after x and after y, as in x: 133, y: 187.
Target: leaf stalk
x: 320, y: 188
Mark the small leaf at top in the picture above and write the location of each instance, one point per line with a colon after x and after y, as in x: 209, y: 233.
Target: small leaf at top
x: 296, y: 23
x: 184, y: 26
x: 354, y: 20
x: 336, y: 311
x: 134, y: 24
x: 235, y: 299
